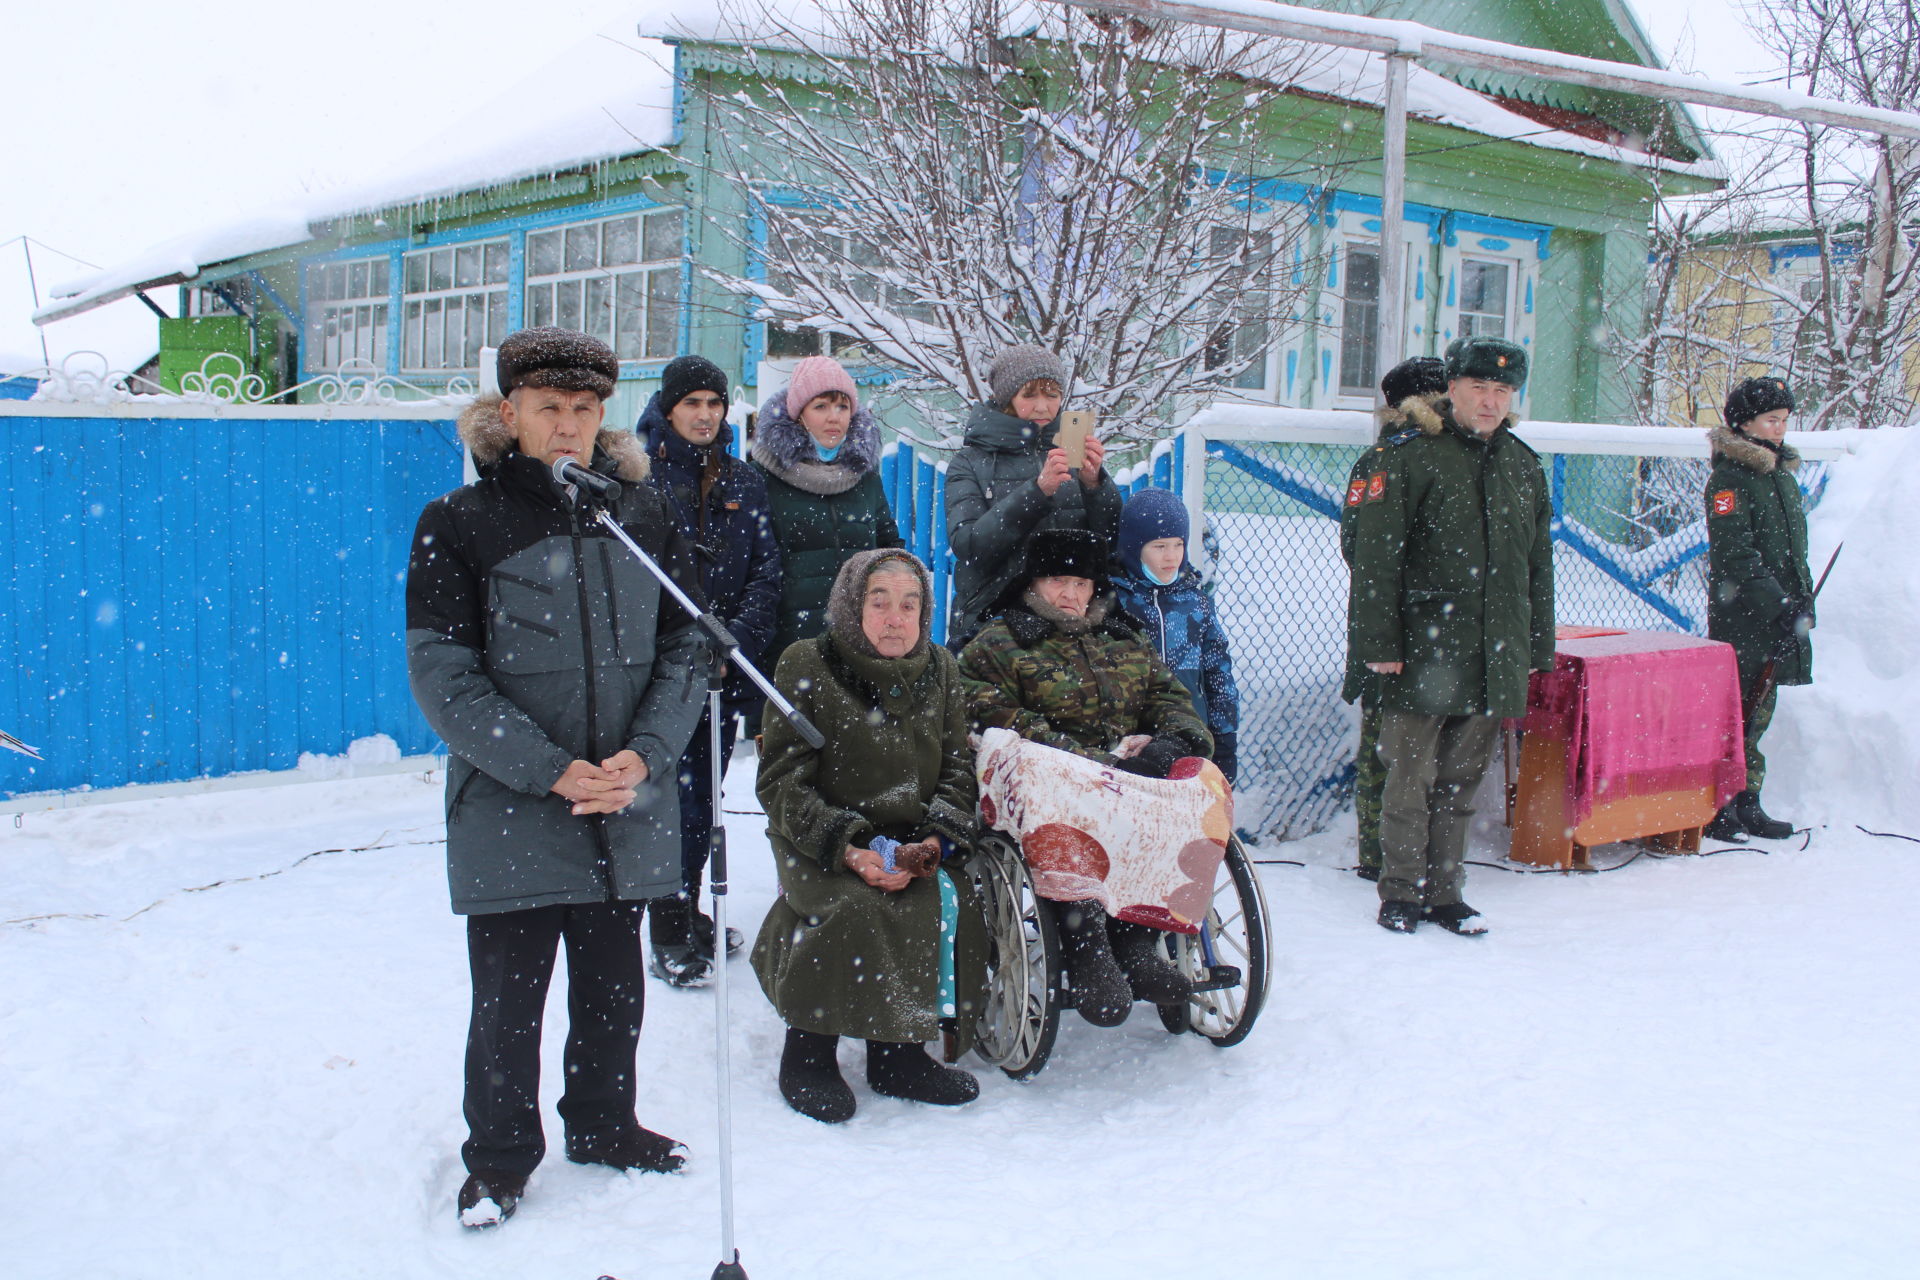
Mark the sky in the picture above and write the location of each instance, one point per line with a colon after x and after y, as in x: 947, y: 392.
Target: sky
x: 130, y: 123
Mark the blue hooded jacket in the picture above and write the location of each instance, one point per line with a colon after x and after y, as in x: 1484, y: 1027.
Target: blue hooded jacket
x: 1180, y: 622
x: 732, y: 539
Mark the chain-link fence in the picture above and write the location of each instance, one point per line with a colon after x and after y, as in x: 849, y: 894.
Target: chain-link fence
x: 1630, y: 552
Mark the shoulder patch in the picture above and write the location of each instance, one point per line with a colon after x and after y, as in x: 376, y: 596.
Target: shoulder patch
x: 1402, y: 437
x: 1356, y: 491
x: 1377, y: 486
x: 1724, y: 502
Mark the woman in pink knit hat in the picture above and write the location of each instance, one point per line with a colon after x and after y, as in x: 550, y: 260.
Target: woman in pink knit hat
x: 820, y: 451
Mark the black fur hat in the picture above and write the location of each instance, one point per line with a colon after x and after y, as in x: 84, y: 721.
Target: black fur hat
x: 1066, y: 553
x: 1754, y: 397
x: 563, y: 359
x: 1420, y: 376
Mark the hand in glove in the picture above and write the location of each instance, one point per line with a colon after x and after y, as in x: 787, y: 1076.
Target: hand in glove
x: 1155, y: 760
x: 1797, y: 618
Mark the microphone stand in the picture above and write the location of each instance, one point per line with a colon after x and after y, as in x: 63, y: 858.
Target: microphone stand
x: 722, y: 648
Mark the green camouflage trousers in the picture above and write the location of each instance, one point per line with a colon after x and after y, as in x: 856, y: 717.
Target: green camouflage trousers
x: 1369, y: 783
x: 1755, y: 726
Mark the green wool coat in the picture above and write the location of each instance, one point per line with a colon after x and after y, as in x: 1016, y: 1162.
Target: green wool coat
x: 1391, y: 421
x: 1452, y: 568
x: 1078, y: 692
x: 816, y: 533
x: 1757, y: 555
x: 836, y: 955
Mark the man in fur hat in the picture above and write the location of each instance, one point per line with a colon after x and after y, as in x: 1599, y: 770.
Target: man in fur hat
x: 1759, y: 585
x: 1451, y: 607
x: 565, y: 684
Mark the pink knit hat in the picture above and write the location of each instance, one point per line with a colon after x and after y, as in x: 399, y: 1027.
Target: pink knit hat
x: 815, y: 376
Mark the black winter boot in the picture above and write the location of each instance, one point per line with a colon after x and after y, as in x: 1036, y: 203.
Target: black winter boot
x: 635, y: 1148
x: 1149, y: 972
x: 1726, y: 825
x: 1095, y: 980
x: 489, y: 1196
x: 810, y: 1078
x: 1400, y: 917
x: 1755, y: 819
x: 909, y: 1071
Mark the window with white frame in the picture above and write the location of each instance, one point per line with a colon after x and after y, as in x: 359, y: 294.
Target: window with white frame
x: 347, y: 306
x: 615, y: 278
x: 1486, y: 298
x: 1360, y: 318
x: 1248, y: 335
x: 833, y: 258
x: 454, y: 303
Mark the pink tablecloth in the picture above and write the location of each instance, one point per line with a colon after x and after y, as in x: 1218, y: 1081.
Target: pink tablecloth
x: 1642, y: 712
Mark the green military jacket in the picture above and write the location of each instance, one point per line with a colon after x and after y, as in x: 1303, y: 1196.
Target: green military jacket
x: 1757, y: 554
x: 1392, y: 420
x: 1081, y: 687
x: 1452, y: 551
x: 836, y: 955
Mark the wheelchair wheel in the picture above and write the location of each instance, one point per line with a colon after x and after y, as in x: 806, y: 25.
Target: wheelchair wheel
x: 1229, y: 961
x: 1017, y: 1028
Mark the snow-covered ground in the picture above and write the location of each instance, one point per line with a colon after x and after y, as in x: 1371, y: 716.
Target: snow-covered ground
x: 231, y: 1045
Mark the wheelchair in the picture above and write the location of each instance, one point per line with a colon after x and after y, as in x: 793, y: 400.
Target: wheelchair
x: 1229, y: 961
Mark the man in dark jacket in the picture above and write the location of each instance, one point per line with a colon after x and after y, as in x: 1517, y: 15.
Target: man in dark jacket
x: 1759, y: 585
x: 1009, y: 481
x: 565, y: 686
x: 1452, y: 606
x: 1425, y: 377
x: 721, y: 505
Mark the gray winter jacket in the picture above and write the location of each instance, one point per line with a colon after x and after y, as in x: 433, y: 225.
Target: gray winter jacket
x: 535, y: 639
x: 994, y: 504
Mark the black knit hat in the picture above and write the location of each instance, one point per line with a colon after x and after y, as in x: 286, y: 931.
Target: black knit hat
x: 685, y: 375
x: 1066, y: 553
x: 1420, y: 376
x: 1488, y: 360
x: 562, y: 359
x: 1754, y: 397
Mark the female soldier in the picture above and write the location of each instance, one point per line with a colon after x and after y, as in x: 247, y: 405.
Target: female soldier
x: 1760, y: 593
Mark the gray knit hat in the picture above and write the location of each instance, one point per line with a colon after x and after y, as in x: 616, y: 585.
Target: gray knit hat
x: 1014, y: 367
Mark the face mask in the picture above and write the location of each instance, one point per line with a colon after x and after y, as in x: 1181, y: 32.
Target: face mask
x: 825, y: 454
x: 1156, y: 578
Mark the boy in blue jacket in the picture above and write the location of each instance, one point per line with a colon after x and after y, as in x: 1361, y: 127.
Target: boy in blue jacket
x: 1160, y: 590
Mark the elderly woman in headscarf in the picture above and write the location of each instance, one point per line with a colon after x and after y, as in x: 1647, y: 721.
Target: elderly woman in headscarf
x: 872, y: 937
x: 1062, y: 666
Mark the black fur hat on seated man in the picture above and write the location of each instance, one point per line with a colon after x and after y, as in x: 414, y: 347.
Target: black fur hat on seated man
x: 1065, y: 553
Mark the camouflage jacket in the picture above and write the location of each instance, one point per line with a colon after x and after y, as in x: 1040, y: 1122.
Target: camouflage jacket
x: 1079, y: 692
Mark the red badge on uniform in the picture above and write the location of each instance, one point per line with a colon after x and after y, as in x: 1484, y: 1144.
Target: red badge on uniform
x: 1356, y: 491
x: 1377, y: 487
x: 1723, y: 503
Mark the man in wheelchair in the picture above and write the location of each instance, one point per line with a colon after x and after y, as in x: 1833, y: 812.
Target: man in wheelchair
x: 1063, y: 668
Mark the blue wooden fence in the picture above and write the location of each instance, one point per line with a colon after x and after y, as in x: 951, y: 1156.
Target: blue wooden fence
x: 200, y: 596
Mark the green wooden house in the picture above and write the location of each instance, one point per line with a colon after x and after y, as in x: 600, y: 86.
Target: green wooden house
x: 581, y: 201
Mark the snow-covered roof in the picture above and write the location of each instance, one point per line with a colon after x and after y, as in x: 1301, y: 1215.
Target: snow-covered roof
x: 613, y: 95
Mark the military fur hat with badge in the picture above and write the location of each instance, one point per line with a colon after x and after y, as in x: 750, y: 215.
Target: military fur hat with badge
x: 1487, y: 360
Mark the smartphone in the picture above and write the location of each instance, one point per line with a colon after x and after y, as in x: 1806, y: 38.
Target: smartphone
x: 1075, y: 426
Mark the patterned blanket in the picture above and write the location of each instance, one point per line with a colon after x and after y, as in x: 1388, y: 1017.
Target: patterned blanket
x: 1146, y: 849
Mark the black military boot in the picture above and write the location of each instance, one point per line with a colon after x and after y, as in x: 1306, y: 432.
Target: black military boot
x: 489, y: 1197
x: 810, y: 1078
x: 1726, y: 824
x: 1400, y: 917
x: 1096, y: 982
x: 909, y: 1071
x: 1755, y: 819
x: 1152, y: 977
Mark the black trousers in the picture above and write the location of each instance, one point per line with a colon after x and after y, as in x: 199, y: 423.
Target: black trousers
x: 511, y: 955
x: 671, y: 917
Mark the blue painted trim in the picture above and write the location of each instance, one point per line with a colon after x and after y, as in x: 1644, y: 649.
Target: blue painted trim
x: 589, y: 212
x: 273, y: 295
x: 1488, y: 225
x: 517, y: 270
x: 1314, y: 501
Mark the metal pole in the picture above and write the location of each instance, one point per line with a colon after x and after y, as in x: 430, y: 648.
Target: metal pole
x: 1393, y: 199
x: 729, y: 1267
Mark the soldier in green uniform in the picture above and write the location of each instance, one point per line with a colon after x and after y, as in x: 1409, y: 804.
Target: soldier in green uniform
x: 1452, y: 607
x: 1425, y: 377
x: 1760, y: 592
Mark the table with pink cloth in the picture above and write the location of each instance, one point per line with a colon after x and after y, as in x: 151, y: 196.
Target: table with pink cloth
x: 1643, y: 712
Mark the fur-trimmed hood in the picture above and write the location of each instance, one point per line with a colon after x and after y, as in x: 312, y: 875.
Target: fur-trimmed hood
x: 782, y: 447
x: 1430, y: 414
x: 1395, y: 418
x: 1739, y: 447
x: 484, y: 432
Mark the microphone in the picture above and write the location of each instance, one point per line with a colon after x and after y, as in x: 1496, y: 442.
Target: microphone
x: 568, y: 470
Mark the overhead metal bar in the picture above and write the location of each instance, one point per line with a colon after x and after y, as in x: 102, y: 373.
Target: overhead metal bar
x: 1429, y: 44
